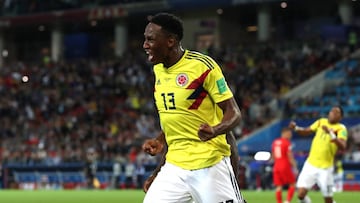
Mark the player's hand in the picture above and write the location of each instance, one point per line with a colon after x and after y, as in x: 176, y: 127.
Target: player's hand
x: 206, y: 132
x: 148, y: 183
x: 292, y: 125
x: 330, y: 132
x: 152, y: 147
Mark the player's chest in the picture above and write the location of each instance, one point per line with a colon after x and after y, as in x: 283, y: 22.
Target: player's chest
x: 178, y: 89
x: 172, y: 85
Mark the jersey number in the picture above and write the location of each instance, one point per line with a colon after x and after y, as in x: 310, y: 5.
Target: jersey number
x: 169, y: 100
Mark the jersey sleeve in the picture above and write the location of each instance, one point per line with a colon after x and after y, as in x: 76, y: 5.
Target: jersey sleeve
x: 216, y: 85
x: 314, y: 126
x: 342, y: 133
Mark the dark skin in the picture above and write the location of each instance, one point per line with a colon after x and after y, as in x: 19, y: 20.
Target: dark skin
x: 334, y: 117
x: 153, y: 147
x: 164, y: 47
x: 161, y: 46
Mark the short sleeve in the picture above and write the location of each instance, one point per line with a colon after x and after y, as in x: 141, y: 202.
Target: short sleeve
x: 342, y: 133
x: 315, y: 125
x: 216, y: 85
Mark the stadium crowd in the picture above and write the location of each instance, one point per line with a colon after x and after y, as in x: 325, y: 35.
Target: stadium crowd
x: 70, y: 106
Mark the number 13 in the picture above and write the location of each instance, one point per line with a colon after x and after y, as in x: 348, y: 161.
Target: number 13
x: 169, y: 100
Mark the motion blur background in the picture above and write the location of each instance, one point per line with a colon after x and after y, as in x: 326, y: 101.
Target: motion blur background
x: 76, y: 88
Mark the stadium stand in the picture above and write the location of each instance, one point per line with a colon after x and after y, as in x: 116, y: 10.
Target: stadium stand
x: 346, y: 93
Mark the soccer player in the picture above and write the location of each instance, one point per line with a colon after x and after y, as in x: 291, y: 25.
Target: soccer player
x: 284, y: 165
x: 330, y: 136
x: 91, y: 168
x: 196, y: 109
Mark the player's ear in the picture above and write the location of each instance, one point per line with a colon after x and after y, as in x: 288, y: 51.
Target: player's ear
x: 171, y: 41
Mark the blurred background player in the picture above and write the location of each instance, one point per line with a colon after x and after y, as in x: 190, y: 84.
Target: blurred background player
x: 91, y: 169
x: 330, y: 136
x: 285, y: 167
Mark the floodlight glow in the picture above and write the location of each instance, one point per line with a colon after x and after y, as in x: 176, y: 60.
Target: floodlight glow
x: 5, y: 53
x: 283, y: 5
x: 262, y: 156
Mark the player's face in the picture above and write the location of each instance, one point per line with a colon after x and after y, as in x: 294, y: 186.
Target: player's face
x: 334, y: 115
x: 287, y: 134
x: 156, y: 44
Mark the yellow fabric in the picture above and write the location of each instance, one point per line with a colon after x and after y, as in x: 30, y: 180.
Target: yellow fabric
x: 323, y: 150
x: 339, y: 167
x: 185, y: 94
x: 96, y: 183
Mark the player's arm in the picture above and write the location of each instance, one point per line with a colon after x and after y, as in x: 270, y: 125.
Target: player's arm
x: 151, y: 178
x: 292, y: 160
x: 341, y: 143
x: 231, y: 118
x: 300, y: 130
x: 234, y: 157
x: 155, y: 146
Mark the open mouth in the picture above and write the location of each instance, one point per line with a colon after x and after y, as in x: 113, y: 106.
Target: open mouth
x: 150, y: 56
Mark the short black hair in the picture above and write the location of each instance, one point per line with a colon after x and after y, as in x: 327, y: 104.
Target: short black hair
x: 341, y: 110
x: 170, y: 23
x: 284, y: 129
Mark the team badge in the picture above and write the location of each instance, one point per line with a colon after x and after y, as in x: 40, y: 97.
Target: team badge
x: 182, y: 79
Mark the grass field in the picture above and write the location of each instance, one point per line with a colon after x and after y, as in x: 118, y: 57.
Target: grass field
x: 136, y: 196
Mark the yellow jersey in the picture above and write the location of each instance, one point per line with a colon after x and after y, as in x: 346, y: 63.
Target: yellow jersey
x: 323, y: 150
x: 186, y: 96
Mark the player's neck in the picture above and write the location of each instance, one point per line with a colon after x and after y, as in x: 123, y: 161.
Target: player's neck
x: 174, y: 56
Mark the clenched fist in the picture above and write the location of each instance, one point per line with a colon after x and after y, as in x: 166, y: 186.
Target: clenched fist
x: 152, y: 146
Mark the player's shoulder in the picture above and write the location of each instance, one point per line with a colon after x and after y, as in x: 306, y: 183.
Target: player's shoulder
x: 158, y: 66
x: 321, y: 121
x: 278, y: 140
x: 159, y: 69
x: 201, y: 58
x: 197, y: 54
x: 341, y: 125
x: 285, y: 142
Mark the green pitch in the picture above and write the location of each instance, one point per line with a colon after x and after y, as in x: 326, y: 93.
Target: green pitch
x: 136, y: 196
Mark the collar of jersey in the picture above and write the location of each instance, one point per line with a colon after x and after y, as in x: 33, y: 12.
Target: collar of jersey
x: 176, y: 64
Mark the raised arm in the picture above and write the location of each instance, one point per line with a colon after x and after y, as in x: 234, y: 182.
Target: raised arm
x: 300, y: 130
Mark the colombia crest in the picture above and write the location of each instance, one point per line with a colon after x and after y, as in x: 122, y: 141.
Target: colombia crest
x: 182, y: 79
